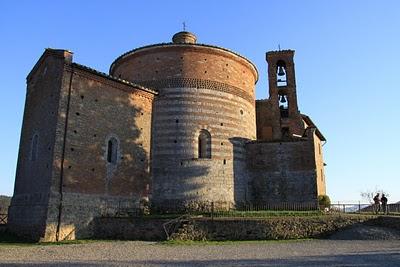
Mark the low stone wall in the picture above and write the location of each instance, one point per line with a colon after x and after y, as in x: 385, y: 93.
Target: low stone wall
x: 230, y: 228
x: 265, y: 229
x: 129, y: 228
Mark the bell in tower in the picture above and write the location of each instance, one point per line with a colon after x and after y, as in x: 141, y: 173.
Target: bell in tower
x: 281, y: 73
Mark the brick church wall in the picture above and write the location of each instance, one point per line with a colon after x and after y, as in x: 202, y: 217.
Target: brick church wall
x: 28, y: 209
x: 283, y: 171
x: 200, y: 88
x: 101, y: 109
x: 74, y: 111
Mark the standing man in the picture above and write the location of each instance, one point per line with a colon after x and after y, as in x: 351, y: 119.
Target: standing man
x: 377, y: 204
x: 384, y: 201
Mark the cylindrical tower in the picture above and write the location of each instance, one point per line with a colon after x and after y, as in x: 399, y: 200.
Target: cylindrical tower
x: 203, y: 115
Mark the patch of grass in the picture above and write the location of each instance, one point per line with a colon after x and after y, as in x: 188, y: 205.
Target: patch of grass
x: 267, y: 213
x: 228, y: 242
x: 9, y: 239
x: 68, y: 242
x: 239, y: 214
x: 163, y: 216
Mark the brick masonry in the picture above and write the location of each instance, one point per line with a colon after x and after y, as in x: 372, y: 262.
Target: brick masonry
x: 283, y: 171
x: 200, y: 88
x: 151, y: 111
x: 72, y: 181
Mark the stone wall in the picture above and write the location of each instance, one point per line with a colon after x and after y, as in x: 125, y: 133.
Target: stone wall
x: 129, y: 228
x: 283, y: 171
x: 265, y: 119
x: 78, y: 210
x: 74, y: 111
x: 201, y: 88
x: 179, y: 116
x: 265, y: 229
x: 100, y: 109
x: 28, y: 210
x: 220, y: 229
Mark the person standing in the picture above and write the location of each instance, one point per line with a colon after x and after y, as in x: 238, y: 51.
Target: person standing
x: 384, y: 201
x: 377, y: 203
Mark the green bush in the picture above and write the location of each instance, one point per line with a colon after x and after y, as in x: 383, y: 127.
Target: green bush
x: 324, y: 201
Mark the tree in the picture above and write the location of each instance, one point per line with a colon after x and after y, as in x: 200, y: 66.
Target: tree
x: 324, y: 201
x: 368, y: 195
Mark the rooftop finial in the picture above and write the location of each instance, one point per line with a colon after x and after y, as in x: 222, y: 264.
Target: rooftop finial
x: 279, y: 47
x: 184, y: 26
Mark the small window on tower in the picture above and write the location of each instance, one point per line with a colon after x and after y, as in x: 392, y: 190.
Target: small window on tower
x: 112, y: 150
x: 281, y: 79
x: 204, y: 145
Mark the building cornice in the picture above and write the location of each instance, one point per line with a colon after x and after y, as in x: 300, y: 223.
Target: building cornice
x: 184, y: 45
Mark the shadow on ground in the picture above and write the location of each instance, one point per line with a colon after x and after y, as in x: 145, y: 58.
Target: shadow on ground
x: 365, y: 259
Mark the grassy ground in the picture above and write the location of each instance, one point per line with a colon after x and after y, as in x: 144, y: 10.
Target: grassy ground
x: 237, y: 213
x: 232, y: 242
x: 266, y: 213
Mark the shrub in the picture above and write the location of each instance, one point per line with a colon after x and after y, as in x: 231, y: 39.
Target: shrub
x: 324, y: 201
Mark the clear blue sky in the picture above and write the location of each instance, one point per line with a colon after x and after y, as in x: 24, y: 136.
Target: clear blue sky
x: 347, y: 66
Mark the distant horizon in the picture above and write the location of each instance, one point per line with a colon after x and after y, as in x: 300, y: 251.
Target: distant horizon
x: 346, y: 65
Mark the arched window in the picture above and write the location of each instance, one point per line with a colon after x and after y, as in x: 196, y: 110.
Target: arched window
x: 283, y: 103
x: 281, y: 73
x: 112, y: 150
x: 204, y: 145
x: 34, y: 147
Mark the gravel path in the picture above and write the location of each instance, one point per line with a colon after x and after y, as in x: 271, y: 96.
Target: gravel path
x: 366, y: 232
x: 134, y: 253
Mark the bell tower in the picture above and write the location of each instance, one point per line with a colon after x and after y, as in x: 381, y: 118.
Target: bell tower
x: 287, y: 121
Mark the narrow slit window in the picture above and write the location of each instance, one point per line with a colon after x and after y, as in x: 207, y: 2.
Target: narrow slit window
x: 204, y: 145
x: 112, y: 150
